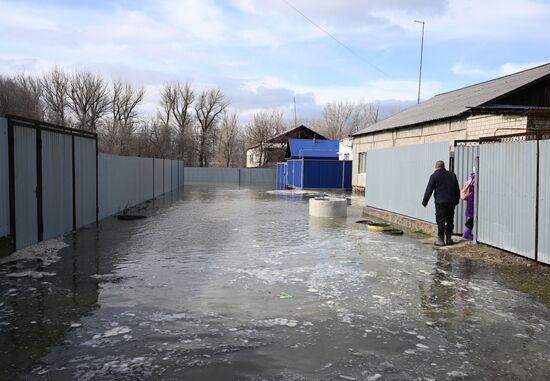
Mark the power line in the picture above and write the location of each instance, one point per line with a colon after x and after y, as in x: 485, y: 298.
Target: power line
x: 332, y: 36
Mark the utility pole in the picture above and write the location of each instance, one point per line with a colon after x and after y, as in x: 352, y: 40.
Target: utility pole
x: 421, y: 53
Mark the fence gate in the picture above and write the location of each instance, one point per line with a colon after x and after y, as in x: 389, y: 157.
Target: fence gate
x: 464, y: 160
x: 52, y: 180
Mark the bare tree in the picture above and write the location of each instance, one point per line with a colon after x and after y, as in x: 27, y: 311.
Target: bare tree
x: 343, y: 118
x: 21, y: 96
x: 9, y: 92
x: 124, y: 103
x: 160, y: 138
x: 335, y: 119
x: 264, y: 126
x: 55, y: 86
x: 90, y: 99
x: 176, y: 102
x: 209, y: 108
x: 229, y: 138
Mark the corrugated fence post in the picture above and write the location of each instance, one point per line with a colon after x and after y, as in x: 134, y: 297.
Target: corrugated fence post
x: 39, y: 210
x: 11, y: 170
x: 73, y: 169
x: 96, y: 182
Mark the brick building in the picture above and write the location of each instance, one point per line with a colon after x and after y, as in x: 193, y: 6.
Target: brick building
x: 506, y: 105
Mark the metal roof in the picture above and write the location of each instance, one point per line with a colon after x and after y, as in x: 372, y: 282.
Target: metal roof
x: 312, y: 149
x: 457, y: 102
x: 300, y: 132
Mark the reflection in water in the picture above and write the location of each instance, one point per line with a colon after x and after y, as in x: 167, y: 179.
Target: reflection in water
x: 194, y: 292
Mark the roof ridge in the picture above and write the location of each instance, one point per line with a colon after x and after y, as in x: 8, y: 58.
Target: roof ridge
x: 492, y: 80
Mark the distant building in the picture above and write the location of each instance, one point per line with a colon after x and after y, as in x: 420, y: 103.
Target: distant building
x: 345, y: 149
x: 501, y: 106
x: 273, y: 150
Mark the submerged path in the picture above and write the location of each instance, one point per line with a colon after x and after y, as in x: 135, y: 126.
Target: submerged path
x: 226, y: 284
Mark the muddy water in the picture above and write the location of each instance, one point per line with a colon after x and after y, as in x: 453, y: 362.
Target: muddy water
x: 227, y: 284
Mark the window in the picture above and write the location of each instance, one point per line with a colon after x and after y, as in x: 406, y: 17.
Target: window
x: 362, y: 162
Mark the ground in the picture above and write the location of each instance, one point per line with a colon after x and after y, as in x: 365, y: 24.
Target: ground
x: 239, y: 283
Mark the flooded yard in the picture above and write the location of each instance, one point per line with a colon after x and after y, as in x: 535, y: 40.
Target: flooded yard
x: 240, y: 284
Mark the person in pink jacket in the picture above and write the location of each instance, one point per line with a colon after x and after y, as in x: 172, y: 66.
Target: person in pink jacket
x: 469, y: 225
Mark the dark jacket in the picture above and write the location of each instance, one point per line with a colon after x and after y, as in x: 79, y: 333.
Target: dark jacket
x: 446, y: 188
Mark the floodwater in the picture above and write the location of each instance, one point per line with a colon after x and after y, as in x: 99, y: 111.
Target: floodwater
x: 239, y: 284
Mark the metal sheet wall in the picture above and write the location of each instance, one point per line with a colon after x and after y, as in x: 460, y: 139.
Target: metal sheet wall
x: 182, y: 173
x: 174, y: 170
x: 281, y: 175
x: 167, y: 176
x: 118, y: 183
x: 85, y: 180
x: 391, y: 170
x: 211, y: 175
x: 257, y: 176
x: 464, y: 161
x: 294, y: 173
x: 159, y: 177
x: 145, y: 178
x: 325, y: 174
x: 26, y: 214
x: 57, y: 184
x: 507, y: 188
x: 544, y: 202
x: 4, y: 180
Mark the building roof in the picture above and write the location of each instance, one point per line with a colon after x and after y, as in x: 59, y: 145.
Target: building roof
x: 312, y: 149
x: 457, y: 102
x: 300, y: 132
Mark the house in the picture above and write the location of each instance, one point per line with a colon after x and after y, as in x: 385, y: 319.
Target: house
x: 313, y: 164
x: 506, y: 105
x: 268, y: 153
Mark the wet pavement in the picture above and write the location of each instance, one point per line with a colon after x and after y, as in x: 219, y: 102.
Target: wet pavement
x: 239, y: 284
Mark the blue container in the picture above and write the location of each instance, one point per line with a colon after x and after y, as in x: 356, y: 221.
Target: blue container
x: 281, y: 175
x: 319, y: 174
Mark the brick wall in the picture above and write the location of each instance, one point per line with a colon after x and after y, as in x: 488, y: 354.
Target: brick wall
x: 480, y: 126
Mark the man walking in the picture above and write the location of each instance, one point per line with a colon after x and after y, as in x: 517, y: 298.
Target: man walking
x: 446, y: 196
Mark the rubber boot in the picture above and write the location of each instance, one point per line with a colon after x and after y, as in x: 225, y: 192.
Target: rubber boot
x: 439, y: 241
x: 449, y: 241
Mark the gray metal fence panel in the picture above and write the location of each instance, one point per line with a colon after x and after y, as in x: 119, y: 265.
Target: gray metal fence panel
x: 507, y: 188
x: 211, y: 175
x: 174, y: 169
x: 145, y: 179
x: 25, y: 186
x: 118, y: 183
x: 544, y: 202
x: 396, y: 178
x: 57, y: 184
x: 167, y: 176
x: 85, y: 180
x: 159, y: 177
x: 253, y: 176
x: 4, y: 180
x: 464, y: 161
x: 181, y: 173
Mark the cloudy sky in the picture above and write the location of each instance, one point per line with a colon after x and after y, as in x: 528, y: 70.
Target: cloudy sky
x: 262, y: 53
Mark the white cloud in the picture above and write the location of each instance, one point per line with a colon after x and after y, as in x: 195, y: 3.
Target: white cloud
x: 492, y: 72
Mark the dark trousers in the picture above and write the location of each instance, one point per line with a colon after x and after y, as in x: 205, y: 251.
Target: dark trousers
x: 444, y: 216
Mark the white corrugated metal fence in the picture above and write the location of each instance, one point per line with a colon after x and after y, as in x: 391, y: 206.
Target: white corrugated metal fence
x: 396, y: 178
